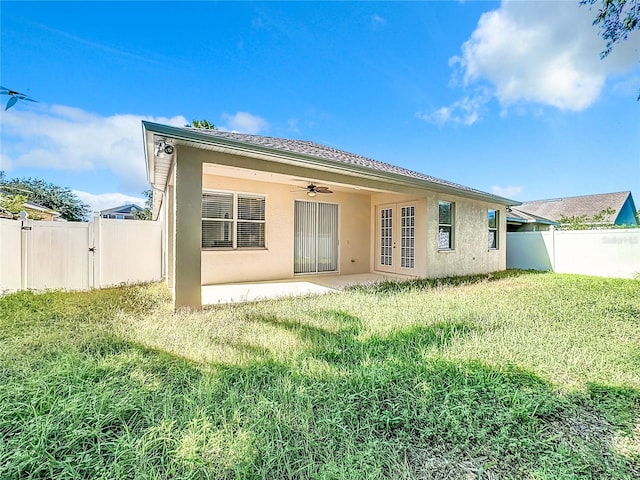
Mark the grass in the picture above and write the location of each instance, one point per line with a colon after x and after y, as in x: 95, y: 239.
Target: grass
x: 515, y: 375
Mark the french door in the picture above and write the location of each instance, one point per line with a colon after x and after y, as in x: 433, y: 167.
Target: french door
x: 315, y: 237
x: 396, y: 238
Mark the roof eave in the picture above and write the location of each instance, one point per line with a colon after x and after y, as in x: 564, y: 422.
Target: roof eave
x: 189, y: 136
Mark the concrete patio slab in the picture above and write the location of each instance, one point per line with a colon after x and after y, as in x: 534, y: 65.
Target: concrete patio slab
x: 308, y: 285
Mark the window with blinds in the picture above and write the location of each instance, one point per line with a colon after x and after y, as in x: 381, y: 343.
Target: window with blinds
x: 493, y: 229
x: 233, y: 220
x: 445, y: 225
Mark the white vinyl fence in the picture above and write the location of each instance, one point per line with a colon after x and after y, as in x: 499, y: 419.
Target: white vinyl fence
x: 604, y: 253
x: 78, y: 256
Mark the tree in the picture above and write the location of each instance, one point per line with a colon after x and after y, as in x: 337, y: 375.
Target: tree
x: 203, y: 124
x: 583, y: 222
x: 60, y: 199
x: 145, y: 213
x: 11, y: 206
x: 616, y: 18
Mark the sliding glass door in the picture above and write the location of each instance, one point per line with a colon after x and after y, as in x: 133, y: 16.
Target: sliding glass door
x: 315, y: 237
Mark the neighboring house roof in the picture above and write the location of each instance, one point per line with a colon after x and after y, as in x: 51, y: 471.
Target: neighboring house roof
x: 123, y: 209
x: 515, y: 215
x: 292, y: 151
x: 587, y: 205
x: 36, y: 206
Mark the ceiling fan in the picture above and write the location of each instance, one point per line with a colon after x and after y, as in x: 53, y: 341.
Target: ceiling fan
x: 313, y: 189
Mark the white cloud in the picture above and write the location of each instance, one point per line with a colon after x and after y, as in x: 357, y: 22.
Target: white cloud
x: 245, y: 122
x: 378, y: 21
x: 65, y: 138
x: 465, y: 111
x: 507, y: 192
x: 5, y: 162
x: 293, y: 124
x: 544, y: 53
x: 107, y: 200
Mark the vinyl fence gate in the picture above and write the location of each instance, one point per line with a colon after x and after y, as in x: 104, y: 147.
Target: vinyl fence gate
x: 42, y: 255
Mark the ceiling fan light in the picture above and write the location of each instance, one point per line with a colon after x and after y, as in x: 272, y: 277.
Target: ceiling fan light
x: 311, y: 193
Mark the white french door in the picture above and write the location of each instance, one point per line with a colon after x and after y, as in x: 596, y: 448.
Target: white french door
x: 315, y: 237
x: 396, y: 238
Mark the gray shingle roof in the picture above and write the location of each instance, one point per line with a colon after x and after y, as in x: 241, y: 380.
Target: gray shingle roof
x: 516, y: 214
x: 588, y: 205
x: 126, y: 208
x: 324, y: 152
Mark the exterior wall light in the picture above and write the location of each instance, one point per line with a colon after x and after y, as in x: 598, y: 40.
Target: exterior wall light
x: 164, y: 148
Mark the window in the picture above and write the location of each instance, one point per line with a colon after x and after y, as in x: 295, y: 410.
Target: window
x: 233, y: 220
x: 493, y: 229
x: 445, y: 225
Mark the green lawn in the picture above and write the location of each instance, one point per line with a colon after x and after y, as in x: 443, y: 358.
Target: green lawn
x: 520, y: 375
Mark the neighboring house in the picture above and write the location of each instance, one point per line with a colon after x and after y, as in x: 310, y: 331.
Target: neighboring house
x: 34, y: 210
x: 519, y: 221
x: 620, y: 204
x: 240, y: 208
x: 123, y: 212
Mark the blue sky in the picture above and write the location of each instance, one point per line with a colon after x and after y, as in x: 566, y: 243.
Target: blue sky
x: 506, y: 97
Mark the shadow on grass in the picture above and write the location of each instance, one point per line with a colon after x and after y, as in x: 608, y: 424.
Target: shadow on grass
x: 396, y: 286
x: 345, y: 348
x: 350, y: 407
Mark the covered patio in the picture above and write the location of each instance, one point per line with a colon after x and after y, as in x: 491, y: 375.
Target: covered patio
x: 248, y: 217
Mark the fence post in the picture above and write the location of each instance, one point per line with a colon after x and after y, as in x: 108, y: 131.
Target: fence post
x: 25, y: 228
x: 553, y: 247
x: 95, y: 250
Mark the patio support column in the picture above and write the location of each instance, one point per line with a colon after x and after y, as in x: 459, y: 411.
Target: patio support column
x: 187, y: 282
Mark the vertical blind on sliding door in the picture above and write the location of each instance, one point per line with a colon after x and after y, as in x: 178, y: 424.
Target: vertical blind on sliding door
x: 316, y: 237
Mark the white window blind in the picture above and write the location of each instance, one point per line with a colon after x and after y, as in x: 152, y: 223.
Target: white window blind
x: 493, y: 229
x: 232, y: 220
x: 445, y: 225
x: 315, y: 237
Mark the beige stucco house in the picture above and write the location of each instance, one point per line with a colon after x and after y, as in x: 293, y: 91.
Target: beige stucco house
x: 241, y: 208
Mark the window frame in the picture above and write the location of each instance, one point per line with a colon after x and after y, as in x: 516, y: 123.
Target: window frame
x: 235, y: 222
x: 495, y: 229
x: 450, y: 226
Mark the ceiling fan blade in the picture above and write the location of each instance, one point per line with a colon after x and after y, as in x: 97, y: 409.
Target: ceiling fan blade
x: 323, y: 190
